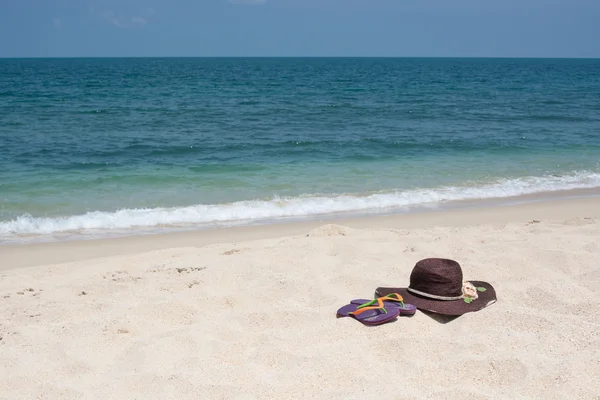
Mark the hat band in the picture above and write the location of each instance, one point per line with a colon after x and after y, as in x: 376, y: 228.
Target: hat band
x: 433, y: 296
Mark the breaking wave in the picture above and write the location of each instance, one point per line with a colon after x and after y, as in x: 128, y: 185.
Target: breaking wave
x: 250, y: 211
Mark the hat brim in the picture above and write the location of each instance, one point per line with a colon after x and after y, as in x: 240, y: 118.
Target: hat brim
x: 445, y: 307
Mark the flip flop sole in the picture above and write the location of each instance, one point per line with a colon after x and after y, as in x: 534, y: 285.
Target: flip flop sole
x: 408, y: 309
x: 378, y: 319
x: 369, y: 317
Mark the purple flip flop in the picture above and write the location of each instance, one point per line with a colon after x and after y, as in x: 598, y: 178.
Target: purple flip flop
x: 369, y: 317
x: 408, y: 309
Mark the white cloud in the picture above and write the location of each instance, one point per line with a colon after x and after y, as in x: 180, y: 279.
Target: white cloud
x: 119, y: 20
x: 249, y: 2
x: 57, y: 23
x: 139, y: 20
x: 116, y: 21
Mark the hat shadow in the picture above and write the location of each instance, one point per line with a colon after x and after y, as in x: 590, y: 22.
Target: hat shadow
x: 440, y: 318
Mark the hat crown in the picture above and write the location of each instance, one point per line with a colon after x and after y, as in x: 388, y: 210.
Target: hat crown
x: 438, y: 277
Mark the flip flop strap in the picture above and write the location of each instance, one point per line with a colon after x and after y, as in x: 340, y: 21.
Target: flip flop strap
x: 394, y: 297
x: 367, y: 306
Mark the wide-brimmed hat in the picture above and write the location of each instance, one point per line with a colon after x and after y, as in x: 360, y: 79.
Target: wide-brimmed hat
x: 437, y: 285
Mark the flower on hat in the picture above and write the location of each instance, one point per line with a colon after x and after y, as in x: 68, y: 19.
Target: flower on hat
x: 469, y: 291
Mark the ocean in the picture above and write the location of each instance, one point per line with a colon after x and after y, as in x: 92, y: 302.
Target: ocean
x: 97, y: 147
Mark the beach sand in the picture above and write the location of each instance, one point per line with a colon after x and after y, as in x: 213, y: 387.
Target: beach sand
x: 249, y: 313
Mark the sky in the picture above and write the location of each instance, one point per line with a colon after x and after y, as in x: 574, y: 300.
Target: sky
x: 273, y: 28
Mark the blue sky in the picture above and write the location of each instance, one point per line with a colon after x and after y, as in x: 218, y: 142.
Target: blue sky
x: 431, y: 28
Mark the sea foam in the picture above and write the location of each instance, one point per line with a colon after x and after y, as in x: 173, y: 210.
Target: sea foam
x: 253, y: 211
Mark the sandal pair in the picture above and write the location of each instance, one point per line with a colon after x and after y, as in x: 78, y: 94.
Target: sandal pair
x: 368, y: 313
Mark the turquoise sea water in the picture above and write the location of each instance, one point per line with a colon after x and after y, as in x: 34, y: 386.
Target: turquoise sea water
x: 90, y: 146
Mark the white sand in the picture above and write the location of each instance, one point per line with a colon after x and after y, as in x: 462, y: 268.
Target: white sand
x: 256, y: 319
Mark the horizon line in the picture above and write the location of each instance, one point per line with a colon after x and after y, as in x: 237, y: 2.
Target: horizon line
x: 295, y: 57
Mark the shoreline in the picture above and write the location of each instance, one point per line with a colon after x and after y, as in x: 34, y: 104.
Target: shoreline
x: 451, y: 205
x: 65, y: 251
